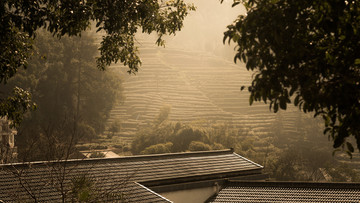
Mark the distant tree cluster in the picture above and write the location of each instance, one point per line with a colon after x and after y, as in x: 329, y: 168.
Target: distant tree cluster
x: 303, y: 154
x: 164, y: 136
x: 73, y: 97
x: 170, y: 137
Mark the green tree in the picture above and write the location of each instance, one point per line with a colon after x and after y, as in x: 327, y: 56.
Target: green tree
x: 186, y: 135
x: 152, y: 135
x: 183, y: 137
x: 343, y: 173
x: 158, y: 148
x: 199, y: 146
x: 119, y: 19
x: 114, y: 128
x: 159, y: 131
x: 74, y: 99
x: 305, y: 51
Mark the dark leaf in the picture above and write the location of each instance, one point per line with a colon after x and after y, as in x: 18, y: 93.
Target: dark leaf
x: 276, y: 107
x: 251, y: 100
x: 235, y: 3
x: 338, y: 141
x: 283, y: 103
x: 296, y: 101
x: 349, y: 154
x: 350, y: 147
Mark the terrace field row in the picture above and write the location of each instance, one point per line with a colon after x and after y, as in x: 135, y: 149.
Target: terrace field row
x: 196, y: 85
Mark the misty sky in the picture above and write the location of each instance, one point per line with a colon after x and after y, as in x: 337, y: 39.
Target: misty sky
x: 203, y: 29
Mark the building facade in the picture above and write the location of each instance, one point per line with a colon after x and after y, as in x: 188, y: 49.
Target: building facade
x: 8, y: 150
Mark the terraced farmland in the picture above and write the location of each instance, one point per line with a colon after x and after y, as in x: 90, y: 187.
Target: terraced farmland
x: 197, y: 86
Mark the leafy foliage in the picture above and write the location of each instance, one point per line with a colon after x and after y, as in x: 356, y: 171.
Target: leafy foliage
x: 85, y: 188
x: 165, y: 136
x: 16, y: 105
x: 73, y: 97
x: 114, y: 128
x: 15, y: 49
x: 82, y: 188
x: 302, y: 154
x: 158, y: 148
x: 119, y: 19
x: 344, y: 173
x: 305, y: 51
x: 199, y: 146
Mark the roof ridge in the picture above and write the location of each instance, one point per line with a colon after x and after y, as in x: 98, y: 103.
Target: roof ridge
x: 153, y: 192
x: 295, y: 184
x: 249, y: 160
x: 128, y: 158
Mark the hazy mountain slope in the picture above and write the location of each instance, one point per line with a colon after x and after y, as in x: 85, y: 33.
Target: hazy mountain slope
x: 196, y: 85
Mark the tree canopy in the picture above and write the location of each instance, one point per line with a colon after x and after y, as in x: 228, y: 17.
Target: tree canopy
x: 305, y: 52
x: 73, y: 97
x: 119, y: 19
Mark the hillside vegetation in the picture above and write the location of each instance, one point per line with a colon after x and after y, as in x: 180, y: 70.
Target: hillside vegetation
x: 200, y: 95
x: 197, y: 85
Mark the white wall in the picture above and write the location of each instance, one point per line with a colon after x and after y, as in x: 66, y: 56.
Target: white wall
x: 190, y: 196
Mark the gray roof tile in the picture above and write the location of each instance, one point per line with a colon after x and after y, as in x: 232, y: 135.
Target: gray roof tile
x: 119, y: 174
x: 288, y: 192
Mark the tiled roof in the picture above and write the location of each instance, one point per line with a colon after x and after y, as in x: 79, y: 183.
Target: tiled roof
x: 121, y: 174
x: 288, y: 192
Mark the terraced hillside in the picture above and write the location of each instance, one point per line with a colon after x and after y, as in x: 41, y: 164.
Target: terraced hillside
x: 197, y: 86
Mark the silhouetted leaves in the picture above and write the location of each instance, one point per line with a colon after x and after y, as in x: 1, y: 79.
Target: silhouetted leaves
x: 307, y: 51
x: 119, y: 19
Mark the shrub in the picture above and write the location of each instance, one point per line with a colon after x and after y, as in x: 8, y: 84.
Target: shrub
x: 199, y: 146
